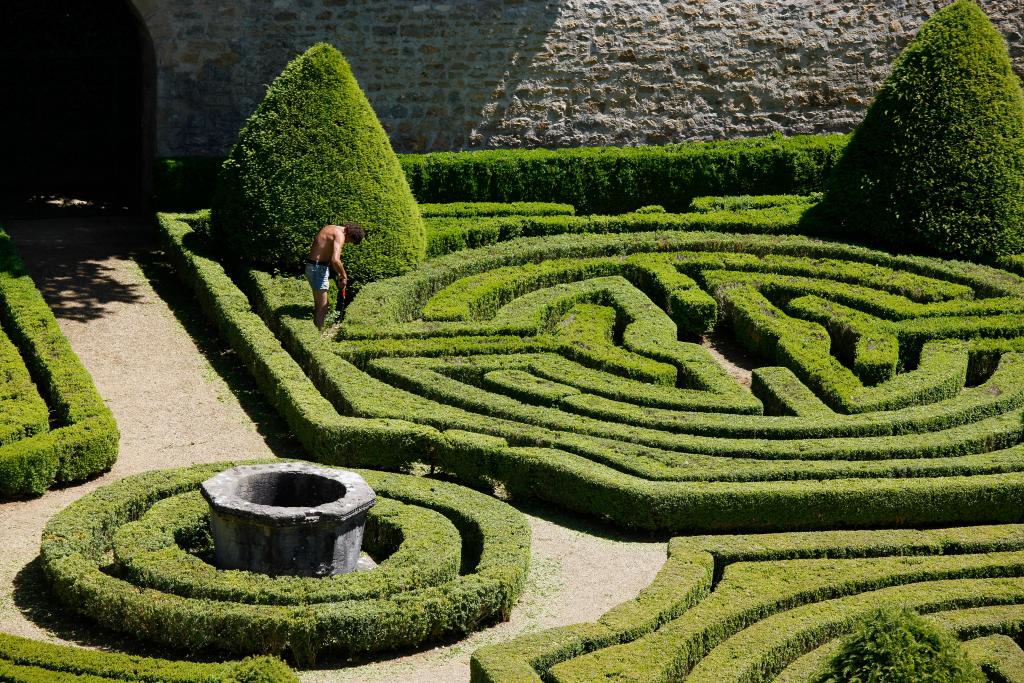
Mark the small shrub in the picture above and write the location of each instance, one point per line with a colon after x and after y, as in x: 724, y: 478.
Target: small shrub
x: 261, y: 670
x: 900, y: 647
x: 938, y: 163
x: 651, y: 208
x: 314, y: 153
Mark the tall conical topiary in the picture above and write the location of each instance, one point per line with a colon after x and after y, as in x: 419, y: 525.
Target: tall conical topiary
x: 937, y: 165
x: 314, y: 153
x: 898, y: 646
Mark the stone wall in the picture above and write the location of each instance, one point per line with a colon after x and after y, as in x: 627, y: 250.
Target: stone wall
x: 463, y: 74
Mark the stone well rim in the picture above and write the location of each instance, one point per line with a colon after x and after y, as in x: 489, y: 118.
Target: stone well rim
x: 220, y: 491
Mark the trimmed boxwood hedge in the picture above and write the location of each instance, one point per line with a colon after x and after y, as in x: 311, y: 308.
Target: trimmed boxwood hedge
x: 431, y: 367
x: 608, y: 180
x: 594, y: 180
x: 999, y: 657
x: 194, y: 611
x: 448, y: 234
x: 23, y: 411
x: 481, y: 209
x: 748, y: 202
x: 30, y: 661
x: 83, y: 440
x: 750, y: 608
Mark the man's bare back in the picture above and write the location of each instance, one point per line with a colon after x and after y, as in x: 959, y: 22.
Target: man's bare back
x: 324, y: 262
x: 326, y: 248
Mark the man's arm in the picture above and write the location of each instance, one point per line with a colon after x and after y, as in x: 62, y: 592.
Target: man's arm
x: 336, y: 264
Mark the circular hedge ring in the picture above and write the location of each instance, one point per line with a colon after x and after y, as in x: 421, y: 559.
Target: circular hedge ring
x: 206, y: 609
x: 163, y: 550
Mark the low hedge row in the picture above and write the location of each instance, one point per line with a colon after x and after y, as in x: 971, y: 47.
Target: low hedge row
x: 941, y: 372
x: 30, y: 661
x: 748, y: 608
x: 427, y: 378
x: 77, y: 541
x: 447, y: 235
x: 746, y: 202
x: 485, y: 209
x: 615, y: 180
x: 953, y: 460
x: 336, y: 439
x: 1000, y: 658
x: 594, y: 180
x: 23, y: 411
x: 85, y: 438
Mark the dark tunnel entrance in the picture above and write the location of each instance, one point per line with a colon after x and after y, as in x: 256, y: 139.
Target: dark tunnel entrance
x: 76, y: 121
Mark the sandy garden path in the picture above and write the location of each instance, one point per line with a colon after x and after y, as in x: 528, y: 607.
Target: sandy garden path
x: 179, y: 399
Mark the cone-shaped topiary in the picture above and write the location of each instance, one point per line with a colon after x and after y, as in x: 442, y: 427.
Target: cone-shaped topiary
x: 937, y: 164
x: 314, y: 153
x: 894, y: 646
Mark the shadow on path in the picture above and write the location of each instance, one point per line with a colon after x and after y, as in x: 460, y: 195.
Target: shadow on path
x: 74, y: 261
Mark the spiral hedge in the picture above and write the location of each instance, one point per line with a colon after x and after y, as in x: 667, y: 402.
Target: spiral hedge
x: 567, y: 368
x: 777, y: 606
x: 132, y: 557
x: 54, y: 427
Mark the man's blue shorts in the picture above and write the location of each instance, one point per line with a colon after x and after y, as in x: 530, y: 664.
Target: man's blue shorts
x: 319, y: 276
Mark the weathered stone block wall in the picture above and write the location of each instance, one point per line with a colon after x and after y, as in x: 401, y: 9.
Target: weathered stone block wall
x: 462, y: 74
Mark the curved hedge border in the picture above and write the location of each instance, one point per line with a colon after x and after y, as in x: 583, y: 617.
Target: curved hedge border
x: 85, y: 440
x: 551, y: 365
x: 495, y: 557
x: 30, y: 661
x: 23, y: 411
x: 450, y: 234
x: 999, y: 657
x: 750, y: 608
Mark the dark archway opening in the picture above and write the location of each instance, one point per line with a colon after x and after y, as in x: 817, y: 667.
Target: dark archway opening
x: 76, y: 122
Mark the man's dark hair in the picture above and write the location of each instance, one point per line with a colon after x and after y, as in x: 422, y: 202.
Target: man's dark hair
x: 354, y: 233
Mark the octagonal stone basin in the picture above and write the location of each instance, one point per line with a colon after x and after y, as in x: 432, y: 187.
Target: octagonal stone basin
x: 288, y: 518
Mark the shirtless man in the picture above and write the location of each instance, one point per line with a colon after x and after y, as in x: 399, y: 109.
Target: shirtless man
x: 324, y: 260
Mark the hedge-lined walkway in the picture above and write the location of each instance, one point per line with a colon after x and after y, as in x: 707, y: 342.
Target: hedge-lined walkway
x: 173, y: 409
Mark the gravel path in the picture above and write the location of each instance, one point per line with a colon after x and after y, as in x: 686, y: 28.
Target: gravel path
x: 174, y: 408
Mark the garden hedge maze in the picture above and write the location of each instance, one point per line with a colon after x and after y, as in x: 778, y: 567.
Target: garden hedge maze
x: 775, y: 607
x: 560, y: 326
x: 567, y: 368
x: 54, y: 427
x: 136, y: 556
